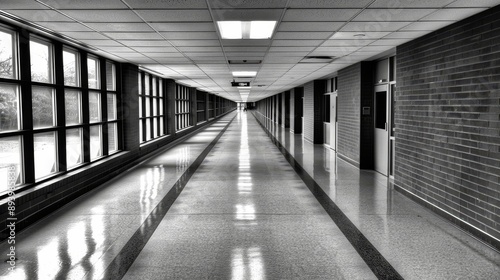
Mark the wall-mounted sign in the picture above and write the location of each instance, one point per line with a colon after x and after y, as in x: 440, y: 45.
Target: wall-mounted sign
x: 240, y: 84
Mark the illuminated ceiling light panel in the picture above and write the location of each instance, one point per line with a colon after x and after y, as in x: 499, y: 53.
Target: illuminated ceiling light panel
x: 261, y: 29
x: 246, y: 29
x: 230, y: 29
x: 244, y: 73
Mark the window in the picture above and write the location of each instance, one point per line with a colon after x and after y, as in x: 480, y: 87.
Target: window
x: 93, y: 73
x: 74, y: 147
x: 11, y: 156
x: 41, y: 60
x: 8, y: 61
x: 90, y: 117
x: 71, y: 68
x: 73, y: 105
x: 182, y: 107
x: 45, y: 154
x: 9, y: 107
x: 326, y: 108
x: 151, y: 107
x: 43, y: 107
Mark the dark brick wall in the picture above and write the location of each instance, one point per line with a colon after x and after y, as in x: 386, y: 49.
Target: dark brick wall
x: 349, y: 117
x: 448, y: 121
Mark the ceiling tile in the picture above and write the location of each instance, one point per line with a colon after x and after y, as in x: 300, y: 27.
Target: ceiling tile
x: 16, y: 4
x: 183, y: 26
x: 247, y: 4
x: 134, y: 35
x: 374, y: 26
x: 352, y: 35
x: 190, y: 35
x: 329, y: 3
x: 389, y: 42
x: 277, y: 54
x: 85, y: 4
x: 285, y: 59
x: 166, y: 4
x: 395, y: 5
x: 302, y: 35
x: 145, y: 43
x: 475, y: 3
x: 453, y: 14
x: 195, y: 43
x: 298, y: 43
x: 155, y: 49
x: 200, y: 49
x: 310, y: 26
x: 245, y: 49
x: 103, y: 15
x: 319, y: 14
x: 67, y: 26
x: 397, y: 15
x: 120, y: 27
x: 114, y: 49
x: 101, y: 43
x: 406, y: 34
x: 39, y: 15
x: 347, y: 43
x: 426, y: 25
x: 247, y: 14
x: 85, y: 35
x: 175, y: 15
x: 290, y: 49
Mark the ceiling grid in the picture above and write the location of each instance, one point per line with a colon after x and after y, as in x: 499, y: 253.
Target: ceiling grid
x: 180, y: 39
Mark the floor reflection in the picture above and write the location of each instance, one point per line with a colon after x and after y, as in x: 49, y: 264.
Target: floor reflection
x: 247, y: 263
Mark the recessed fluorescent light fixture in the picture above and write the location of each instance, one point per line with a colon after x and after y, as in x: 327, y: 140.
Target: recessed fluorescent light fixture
x: 244, y: 73
x: 246, y: 29
x: 244, y: 87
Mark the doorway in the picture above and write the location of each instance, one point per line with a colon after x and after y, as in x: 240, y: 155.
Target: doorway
x: 381, y: 137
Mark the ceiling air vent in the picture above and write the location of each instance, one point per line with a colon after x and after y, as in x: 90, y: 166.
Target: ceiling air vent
x: 317, y: 59
x: 244, y: 61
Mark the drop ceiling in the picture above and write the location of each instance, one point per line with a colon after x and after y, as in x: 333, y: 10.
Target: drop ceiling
x: 179, y: 39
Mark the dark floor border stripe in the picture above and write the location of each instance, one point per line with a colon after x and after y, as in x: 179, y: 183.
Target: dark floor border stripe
x: 127, y: 255
x: 372, y: 257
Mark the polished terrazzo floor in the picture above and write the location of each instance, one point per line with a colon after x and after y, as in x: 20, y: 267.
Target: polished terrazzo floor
x: 226, y: 204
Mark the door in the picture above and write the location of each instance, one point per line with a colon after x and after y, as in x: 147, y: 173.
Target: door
x: 381, y: 145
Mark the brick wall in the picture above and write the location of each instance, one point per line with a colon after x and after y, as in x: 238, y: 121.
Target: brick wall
x: 448, y: 122
x: 349, y: 102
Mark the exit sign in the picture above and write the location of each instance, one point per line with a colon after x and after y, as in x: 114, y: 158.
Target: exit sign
x: 240, y: 84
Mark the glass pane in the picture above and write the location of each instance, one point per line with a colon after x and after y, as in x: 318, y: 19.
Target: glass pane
x: 146, y: 84
x: 45, y: 154
x: 154, y: 86
x: 7, y: 66
x: 95, y: 106
x: 148, y: 107
x: 140, y: 83
x: 162, y: 132
x: 70, y: 68
x: 326, y: 104
x: 112, y: 106
x: 10, y: 162
x: 110, y: 76
x: 95, y: 142
x: 74, y: 149
x: 160, y: 87
x: 72, y: 101
x: 9, y: 107
x: 112, y: 137
x: 148, y: 129
x: 380, y: 109
x: 43, y: 107
x: 141, y: 138
x: 161, y: 106
x: 155, y: 127
x: 140, y: 107
x: 41, y: 62
x: 93, y: 73
x: 155, y: 106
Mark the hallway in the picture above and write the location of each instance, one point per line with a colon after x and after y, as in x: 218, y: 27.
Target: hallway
x: 226, y: 204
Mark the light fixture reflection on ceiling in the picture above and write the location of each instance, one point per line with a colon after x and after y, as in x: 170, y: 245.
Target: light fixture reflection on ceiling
x: 246, y: 29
